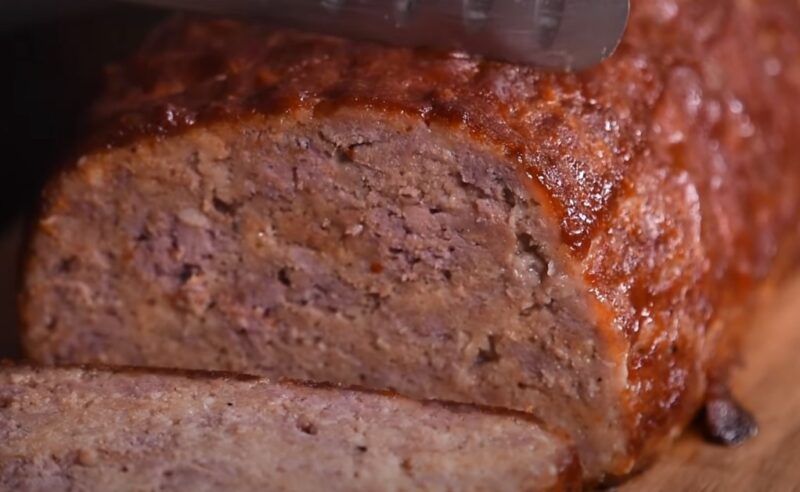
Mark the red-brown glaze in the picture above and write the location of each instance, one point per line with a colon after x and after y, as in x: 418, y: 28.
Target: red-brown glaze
x: 671, y: 168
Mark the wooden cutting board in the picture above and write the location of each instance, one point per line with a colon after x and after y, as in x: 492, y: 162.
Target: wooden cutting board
x: 769, y: 385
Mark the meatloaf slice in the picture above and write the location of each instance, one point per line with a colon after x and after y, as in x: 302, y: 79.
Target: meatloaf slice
x: 89, y: 429
x: 444, y: 226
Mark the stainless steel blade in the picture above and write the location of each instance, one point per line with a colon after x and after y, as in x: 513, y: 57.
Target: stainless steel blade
x: 555, y: 34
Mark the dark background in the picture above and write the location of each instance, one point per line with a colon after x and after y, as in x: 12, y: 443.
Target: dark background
x: 50, y: 71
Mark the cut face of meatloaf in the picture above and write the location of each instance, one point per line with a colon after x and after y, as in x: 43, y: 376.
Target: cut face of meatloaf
x: 88, y: 429
x: 419, y: 263
x: 446, y: 227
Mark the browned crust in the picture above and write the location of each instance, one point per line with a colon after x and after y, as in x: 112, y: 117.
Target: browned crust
x: 670, y: 168
x: 571, y: 475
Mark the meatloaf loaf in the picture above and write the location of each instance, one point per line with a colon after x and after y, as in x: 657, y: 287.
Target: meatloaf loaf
x: 437, y: 224
x: 88, y: 429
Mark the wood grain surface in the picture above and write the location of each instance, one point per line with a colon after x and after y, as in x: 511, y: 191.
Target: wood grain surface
x: 769, y: 385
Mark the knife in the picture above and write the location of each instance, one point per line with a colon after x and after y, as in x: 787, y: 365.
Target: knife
x: 553, y: 34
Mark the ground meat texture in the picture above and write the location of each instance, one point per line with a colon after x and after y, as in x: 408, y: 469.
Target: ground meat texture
x: 90, y: 429
x: 302, y: 206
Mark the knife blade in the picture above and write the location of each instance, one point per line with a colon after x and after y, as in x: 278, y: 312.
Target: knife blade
x: 552, y: 34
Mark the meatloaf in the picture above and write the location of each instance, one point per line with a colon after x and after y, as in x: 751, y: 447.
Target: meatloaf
x: 293, y: 205
x: 90, y: 429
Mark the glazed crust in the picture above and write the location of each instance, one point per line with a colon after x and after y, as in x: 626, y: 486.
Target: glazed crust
x: 670, y: 168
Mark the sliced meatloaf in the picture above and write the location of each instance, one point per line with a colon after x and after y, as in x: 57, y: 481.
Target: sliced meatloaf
x: 436, y: 224
x: 89, y: 429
